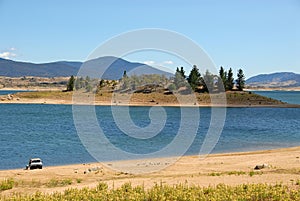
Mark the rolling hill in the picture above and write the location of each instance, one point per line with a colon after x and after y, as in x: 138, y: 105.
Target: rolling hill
x: 282, y: 79
x: 116, y: 67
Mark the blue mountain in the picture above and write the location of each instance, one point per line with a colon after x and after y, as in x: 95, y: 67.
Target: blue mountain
x: 109, y: 67
x: 282, y: 79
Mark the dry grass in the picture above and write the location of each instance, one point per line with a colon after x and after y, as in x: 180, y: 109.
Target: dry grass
x: 167, y: 192
x: 157, y: 98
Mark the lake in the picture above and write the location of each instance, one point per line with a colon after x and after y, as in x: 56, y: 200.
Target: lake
x: 5, y: 92
x: 292, y: 97
x: 48, y: 131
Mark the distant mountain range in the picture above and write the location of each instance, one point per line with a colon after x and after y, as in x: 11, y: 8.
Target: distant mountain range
x: 115, y: 70
x: 283, y: 79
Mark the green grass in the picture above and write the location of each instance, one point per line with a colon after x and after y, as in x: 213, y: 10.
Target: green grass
x: 7, y: 184
x: 252, y: 173
x: 78, y: 180
x: 161, y: 192
x: 56, y: 183
x: 44, y: 94
x: 238, y: 173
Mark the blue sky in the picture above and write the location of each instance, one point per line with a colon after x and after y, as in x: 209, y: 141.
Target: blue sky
x: 257, y: 36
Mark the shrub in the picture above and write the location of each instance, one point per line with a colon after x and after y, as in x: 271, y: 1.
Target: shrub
x: 6, y: 184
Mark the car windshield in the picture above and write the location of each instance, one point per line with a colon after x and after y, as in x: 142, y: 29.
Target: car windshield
x: 35, y: 161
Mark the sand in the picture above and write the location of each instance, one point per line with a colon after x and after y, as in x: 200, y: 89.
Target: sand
x: 232, y: 169
x: 68, y: 101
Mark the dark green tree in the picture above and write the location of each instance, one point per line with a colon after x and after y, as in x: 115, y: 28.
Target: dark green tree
x: 223, y: 75
x: 182, y: 72
x: 70, y: 84
x: 102, y: 83
x: 77, y: 84
x: 125, y: 74
x: 194, y: 78
x: 125, y: 81
x: 208, y: 82
x: 179, y: 80
x: 240, y: 81
x: 222, y: 79
x: 229, y: 80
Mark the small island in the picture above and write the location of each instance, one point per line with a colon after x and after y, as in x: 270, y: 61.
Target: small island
x: 208, y: 90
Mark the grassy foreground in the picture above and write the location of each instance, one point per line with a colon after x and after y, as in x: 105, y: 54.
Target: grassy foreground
x: 162, y: 192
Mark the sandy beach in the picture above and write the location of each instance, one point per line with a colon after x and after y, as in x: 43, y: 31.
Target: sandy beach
x: 281, y: 166
x: 234, y: 99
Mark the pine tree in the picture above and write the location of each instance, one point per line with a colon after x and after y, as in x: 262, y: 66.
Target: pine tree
x: 240, y: 81
x: 223, y: 75
x: 70, y: 84
x: 125, y: 80
x: 194, y: 78
x: 179, y: 79
x: 125, y: 74
x: 229, y: 80
x: 222, y: 79
x: 208, y: 84
x: 182, y: 72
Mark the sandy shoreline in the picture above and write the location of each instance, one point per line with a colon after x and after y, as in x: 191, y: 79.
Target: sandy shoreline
x: 234, y: 99
x: 228, y: 168
x: 274, y: 89
x: 109, y: 103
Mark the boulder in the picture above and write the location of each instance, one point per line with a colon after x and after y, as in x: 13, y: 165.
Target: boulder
x: 261, y: 166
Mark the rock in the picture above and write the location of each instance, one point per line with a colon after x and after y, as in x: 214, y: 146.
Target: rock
x: 261, y: 166
x: 96, y: 169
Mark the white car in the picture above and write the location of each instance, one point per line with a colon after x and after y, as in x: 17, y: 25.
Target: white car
x: 34, y: 163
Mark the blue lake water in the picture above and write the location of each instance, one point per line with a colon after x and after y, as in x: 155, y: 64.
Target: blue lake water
x: 292, y: 97
x: 48, y: 131
x: 4, y: 92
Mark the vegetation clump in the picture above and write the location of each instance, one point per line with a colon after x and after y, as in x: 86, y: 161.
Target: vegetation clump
x: 161, y: 192
x: 6, y: 184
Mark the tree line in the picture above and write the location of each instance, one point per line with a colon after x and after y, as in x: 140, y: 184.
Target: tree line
x: 209, y: 82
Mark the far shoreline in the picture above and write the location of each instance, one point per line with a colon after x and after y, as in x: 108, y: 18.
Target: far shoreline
x: 60, y: 89
x: 37, y: 102
x: 235, y: 99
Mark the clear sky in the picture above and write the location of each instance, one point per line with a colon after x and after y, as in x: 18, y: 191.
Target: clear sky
x: 259, y: 36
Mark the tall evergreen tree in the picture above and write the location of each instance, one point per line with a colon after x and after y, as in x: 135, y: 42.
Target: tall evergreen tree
x: 222, y: 79
x: 182, y: 72
x: 125, y: 81
x: 125, y: 74
x: 70, y: 84
x: 223, y: 75
x: 240, y: 81
x: 194, y: 78
x: 229, y: 80
x: 179, y: 79
x: 208, y: 84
